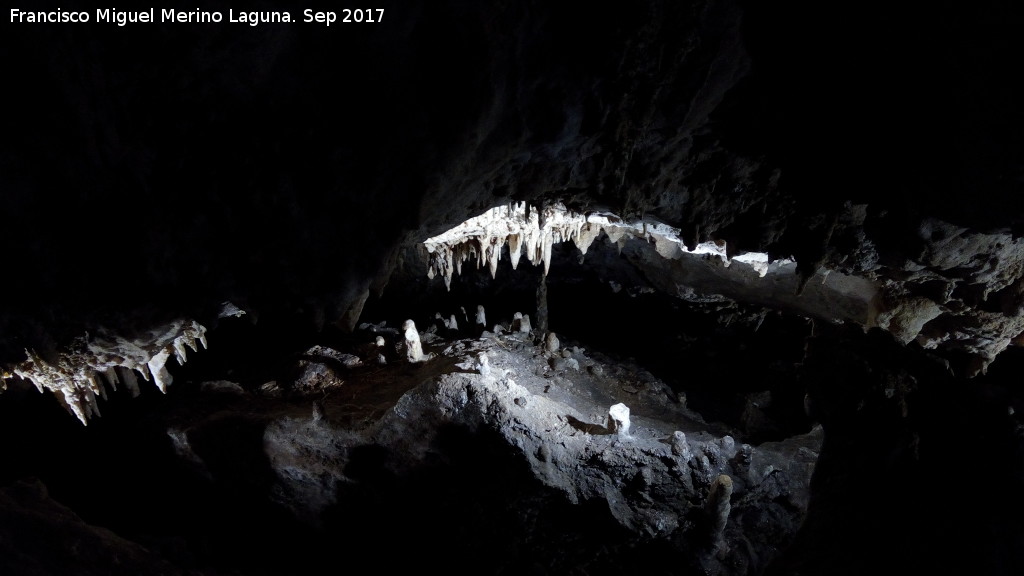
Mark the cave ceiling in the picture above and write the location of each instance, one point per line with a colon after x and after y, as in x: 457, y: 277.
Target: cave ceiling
x: 154, y: 171
x: 753, y: 275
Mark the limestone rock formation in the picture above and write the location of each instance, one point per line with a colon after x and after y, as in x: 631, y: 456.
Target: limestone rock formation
x: 787, y: 237
x: 648, y: 483
x: 81, y: 372
x: 413, y: 347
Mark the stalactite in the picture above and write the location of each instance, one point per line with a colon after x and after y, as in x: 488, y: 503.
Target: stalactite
x: 532, y: 232
x: 79, y: 373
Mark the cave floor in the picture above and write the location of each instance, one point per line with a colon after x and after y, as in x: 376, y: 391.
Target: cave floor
x: 222, y: 473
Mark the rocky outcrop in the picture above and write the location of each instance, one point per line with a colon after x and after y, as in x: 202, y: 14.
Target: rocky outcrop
x: 939, y: 298
x: 658, y: 478
x: 41, y: 536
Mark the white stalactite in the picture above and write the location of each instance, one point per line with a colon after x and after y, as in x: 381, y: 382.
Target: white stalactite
x: 74, y: 403
x: 111, y: 376
x: 82, y: 371
x: 532, y: 232
x: 96, y: 384
x: 515, y: 248
x: 158, y: 366
x: 179, y: 351
x: 131, y: 381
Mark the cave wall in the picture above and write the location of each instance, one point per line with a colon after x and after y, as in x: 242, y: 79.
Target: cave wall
x: 154, y: 170
x: 150, y: 172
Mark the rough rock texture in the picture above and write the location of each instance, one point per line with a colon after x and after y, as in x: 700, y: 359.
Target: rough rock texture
x: 506, y: 448
x: 656, y: 480
x: 859, y: 166
x: 81, y: 371
x: 695, y: 113
x: 841, y: 291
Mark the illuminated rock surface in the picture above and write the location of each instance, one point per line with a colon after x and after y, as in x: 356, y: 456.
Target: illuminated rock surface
x: 783, y: 237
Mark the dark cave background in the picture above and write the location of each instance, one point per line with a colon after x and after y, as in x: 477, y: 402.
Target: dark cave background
x: 155, y: 171
x: 190, y: 164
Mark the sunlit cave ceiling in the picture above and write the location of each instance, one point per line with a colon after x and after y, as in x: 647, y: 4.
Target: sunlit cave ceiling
x: 515, y: 287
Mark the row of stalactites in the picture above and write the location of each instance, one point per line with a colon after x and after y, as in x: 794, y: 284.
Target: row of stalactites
x: 485, y: 236
x: 78, y: 377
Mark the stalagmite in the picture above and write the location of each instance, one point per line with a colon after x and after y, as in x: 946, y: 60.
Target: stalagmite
x: 449, y: 323
x: 680, y: 447
x: 481, y: 317
x: 413, y: 348
x: 484, y: 365
x: 551, y: 343
x: 618, y: 419
x: 741, y: 462
x: 718, y: 507
x: 521, y: 323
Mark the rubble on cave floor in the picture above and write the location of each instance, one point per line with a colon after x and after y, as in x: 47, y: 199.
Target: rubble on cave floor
x: 355, y: 430
x: 586, y: 427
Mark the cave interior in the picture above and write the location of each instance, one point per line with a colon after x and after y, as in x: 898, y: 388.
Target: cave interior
x: 692, y: 287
